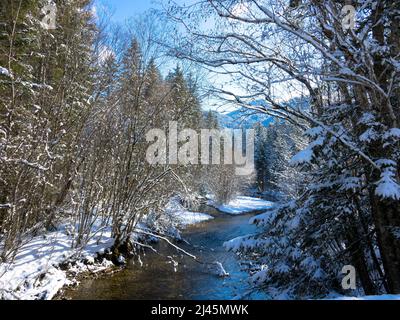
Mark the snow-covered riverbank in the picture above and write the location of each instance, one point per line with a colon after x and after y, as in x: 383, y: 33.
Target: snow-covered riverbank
x: 242, y: 205
x: 47, y: 263
x: 184, y: 217
x: 36, y: 271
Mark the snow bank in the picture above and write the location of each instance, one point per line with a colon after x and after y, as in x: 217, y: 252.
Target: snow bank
x: 184, y: 217
x: 243, y: 204
x: 188, y: 217
x: 36, y: 274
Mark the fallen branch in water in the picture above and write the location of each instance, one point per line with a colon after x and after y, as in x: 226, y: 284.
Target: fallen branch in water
x: 221, y: 271
x: 145, y: 246
x: 166, y: 240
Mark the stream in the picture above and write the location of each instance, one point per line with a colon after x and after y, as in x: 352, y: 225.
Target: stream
x: 157, y: 279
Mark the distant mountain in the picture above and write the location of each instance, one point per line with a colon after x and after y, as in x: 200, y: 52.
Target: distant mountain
x: 243, y: 118
x: 247, y: 118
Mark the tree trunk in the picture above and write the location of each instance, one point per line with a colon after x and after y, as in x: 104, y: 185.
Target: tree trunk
x: 358, y: 258
x: 386, y: 214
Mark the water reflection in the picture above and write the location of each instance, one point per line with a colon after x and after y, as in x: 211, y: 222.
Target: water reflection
x: 156, y: 279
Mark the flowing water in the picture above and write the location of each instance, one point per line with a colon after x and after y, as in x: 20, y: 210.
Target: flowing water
x: 157, y: 279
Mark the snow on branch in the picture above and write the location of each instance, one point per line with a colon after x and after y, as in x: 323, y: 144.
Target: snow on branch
x: 5, y: 72
x: 387, y: 187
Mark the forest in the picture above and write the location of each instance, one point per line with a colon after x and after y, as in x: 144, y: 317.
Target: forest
x: 309, y: 90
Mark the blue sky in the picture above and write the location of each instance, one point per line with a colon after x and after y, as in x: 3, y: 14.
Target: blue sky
x: 121, y: 10
x: 124, y: 9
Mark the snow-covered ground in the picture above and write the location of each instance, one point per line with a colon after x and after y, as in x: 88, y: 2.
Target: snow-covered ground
x: 36, y: 274
x: 182, y: 216
x: 188, y: 217
x: 242, y: 204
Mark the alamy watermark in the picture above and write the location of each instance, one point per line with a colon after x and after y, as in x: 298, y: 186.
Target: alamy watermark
x: 348, y: 17
x: 349, y: 280
x: 49, y: 16
x: 206, y: 147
